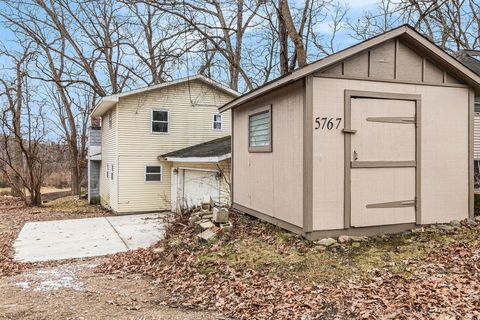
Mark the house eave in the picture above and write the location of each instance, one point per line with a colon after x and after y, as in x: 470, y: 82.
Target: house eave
x: 215, y: 159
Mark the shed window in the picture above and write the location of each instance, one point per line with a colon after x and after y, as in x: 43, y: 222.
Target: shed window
x: 477, y: 105
x: 260, y: 132
x: 160, y: 121
x: 217, y: 121
x: 153, y: 173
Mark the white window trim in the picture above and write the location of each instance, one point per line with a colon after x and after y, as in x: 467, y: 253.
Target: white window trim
x: 213, y: 121
x: 153, y: 165
x: 151, y: 121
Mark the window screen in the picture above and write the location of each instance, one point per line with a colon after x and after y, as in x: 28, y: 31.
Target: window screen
x: 160, y: 121
x: 153, y: 173
x: 259, y: 129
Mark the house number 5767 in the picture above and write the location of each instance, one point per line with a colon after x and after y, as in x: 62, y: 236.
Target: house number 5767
x: 327, y: 123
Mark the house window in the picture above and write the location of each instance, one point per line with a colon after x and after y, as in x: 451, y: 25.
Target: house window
x: 110, y: 119
x: 153, y: 173
x: 111, y: 172
x: 476, y: 106
x: 217, y: 121
x: 260, y: 131
x: 108, y: 170
x: 160, y: 121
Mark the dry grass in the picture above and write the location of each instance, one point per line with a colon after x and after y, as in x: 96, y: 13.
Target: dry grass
x: 45, y: 190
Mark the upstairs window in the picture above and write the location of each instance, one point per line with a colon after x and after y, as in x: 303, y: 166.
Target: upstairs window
x: 160, y: 121
x: 260, y: 131
x: 217, y: 121
x: 153, y: 173
x: 476, y: 107
x: 111, y: 172
x: 108, y: 170
x: 110, y: 119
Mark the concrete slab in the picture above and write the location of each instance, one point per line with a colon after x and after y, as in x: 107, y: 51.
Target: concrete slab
x: 68, y: 239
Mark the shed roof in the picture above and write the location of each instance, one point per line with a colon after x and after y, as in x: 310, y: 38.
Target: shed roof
x: 109, y: 101
x: 210, y: 151
x: 405, y: 32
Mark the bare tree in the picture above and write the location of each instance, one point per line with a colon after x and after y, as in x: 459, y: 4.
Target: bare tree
x: 24, y: 154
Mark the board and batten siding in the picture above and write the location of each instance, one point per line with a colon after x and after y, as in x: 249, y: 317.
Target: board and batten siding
x: 108, y: 187
x: 138, y: 146
x: 271, y: 182
x: 444, y: 150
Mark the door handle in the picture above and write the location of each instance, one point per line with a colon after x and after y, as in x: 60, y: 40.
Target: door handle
x: 355, y: 155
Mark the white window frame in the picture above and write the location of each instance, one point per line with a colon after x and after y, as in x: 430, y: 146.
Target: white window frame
x: 476, y: 102
x: 213, y: 121
x: 168, y: 121
x: 110, y: 119
x: 161, y: 173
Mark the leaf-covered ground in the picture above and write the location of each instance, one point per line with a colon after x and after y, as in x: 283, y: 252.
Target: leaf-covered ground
x: 261, y: 272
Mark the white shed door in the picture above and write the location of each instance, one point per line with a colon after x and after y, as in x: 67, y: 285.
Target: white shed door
x: 197, y: 184
x: 382, y: 162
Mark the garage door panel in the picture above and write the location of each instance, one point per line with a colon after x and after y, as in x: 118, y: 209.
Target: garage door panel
x: 197, y: 184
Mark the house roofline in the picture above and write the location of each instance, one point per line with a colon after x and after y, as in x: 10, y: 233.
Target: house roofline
x: 108, y: 102
x: 405, y: 31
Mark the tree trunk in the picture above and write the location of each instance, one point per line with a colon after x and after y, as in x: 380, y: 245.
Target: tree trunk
x: 74, y: 173
x: 300, y: 50
x: 36, y: 197
x: 283, y: 39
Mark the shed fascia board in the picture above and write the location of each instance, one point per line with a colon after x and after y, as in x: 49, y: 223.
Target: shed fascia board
x: 351, y: 51
x: 199, y: 159
x: 109, y: 101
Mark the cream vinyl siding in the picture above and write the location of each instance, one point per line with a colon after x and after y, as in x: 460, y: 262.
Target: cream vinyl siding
x: 138, y: 146
x: 108, y: 187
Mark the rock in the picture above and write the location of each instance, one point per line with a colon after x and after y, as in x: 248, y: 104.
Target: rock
x: 194, y: 218
x: 445, y: 227
x: 220, y: 215
x: 208, y: 216
x: 206, y: 225
x: 158, y: 250
x: 356, y: 244
x: 359, y: 238
x: 455, y: 223
x: 477, y: 218
x: 327, y: 242
x: 344, y: 239
x: 207, y: 235
x: 226, y: 227
x: 471, y: 222
x: 418, y: 230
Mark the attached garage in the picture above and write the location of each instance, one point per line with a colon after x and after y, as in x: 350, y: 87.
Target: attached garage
x: 377, y: 138
x: 198, y: 171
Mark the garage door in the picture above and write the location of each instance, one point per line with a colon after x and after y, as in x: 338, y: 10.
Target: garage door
x: 383, y: 162
x: 192, y: 185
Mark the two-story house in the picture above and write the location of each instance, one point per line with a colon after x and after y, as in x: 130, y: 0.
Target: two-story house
x: 162, y: 146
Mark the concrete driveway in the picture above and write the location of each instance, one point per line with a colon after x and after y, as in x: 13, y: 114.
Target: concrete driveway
x: 67, y: 239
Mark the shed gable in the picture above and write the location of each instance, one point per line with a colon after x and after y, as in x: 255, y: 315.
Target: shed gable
x: 392, y: 60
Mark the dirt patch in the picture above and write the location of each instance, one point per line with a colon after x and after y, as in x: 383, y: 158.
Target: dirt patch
x: 261, y: 272
x: 73, y: 291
